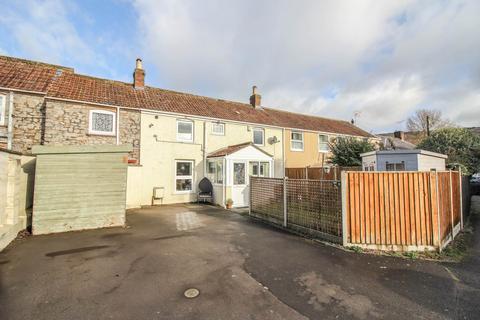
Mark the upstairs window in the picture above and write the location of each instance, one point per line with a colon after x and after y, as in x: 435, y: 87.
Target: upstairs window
x: 258, y: 136
x: 218, y: 129
x: 184, y: 131
x: 296, y: 141
x: 102, y: 122
x: 323, y: 143
x: 2, y: 109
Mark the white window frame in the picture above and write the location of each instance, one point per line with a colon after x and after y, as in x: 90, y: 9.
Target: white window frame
x: 3, y: 109
x: 263, y: 136
x: 185, y: 121
x: 323, y: 143
x: 292, y: 140
x: 213, y: 175
x: 218, y: 124
x: 102, y: 133
x: 192, y: 163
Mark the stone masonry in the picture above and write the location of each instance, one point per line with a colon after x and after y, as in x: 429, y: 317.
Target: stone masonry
x: 43, y: 121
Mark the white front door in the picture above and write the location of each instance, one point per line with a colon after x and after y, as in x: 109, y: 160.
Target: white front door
x: 240, y: 184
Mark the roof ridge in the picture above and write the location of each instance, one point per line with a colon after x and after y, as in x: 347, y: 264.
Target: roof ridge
x: 40, y: 63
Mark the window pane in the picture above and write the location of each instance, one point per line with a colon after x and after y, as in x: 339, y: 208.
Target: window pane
x: 239, y: 173
x: 184, y: 168
x: 219, y: 174
x: 258, y: 136
x: 184, y: 184
x: 390, y: 167
x: 264, y: 169
x: 102, y: 122
x: 185, y: 127
x: 218, y: 128
x: 297, y: 136
x: 211, y: 166
x: 400, y: 166
x: 323, y: 142
x: 298, y: 145
x: 253, y: 169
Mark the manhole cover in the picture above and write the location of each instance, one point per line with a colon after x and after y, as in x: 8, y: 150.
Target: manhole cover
x: 191, y: 293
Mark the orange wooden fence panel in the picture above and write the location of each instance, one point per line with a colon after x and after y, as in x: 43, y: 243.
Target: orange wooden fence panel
x: 401, y: 208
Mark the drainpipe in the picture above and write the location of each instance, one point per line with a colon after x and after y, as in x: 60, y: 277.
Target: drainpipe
x: 118, y: 125
x: 10, y: 121
x: 204, y: 148
x: 283, y: 151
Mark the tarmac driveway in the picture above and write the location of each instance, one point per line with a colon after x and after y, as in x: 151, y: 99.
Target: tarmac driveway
x: 243, y: 269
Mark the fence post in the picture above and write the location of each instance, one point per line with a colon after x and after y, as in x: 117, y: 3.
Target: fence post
x: 438, y: 214
x: 250, y: 196
x: 460, y: 181
x: 344, y: 208
x: 451, y: 202
x: 306, y: 173
x: 285, y: 202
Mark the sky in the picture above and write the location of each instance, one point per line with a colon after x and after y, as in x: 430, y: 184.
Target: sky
x: 377, y: 61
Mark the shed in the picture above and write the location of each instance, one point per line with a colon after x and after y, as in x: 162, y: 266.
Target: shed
x: 230, y: 169
x: 79, y: 187
x: 403, y: 160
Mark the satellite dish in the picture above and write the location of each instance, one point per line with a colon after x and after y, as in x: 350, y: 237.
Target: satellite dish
x: 273, y: 140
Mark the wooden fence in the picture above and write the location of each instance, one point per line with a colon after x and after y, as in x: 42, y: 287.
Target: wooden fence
x: 401, y: 210
x: 318, y: 173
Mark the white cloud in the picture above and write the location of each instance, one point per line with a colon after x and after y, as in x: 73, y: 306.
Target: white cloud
x: 331, y: 58
x: 44, y: 31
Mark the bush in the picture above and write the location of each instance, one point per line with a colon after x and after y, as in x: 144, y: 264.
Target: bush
x: 346, y: 151
x: 462, y: 147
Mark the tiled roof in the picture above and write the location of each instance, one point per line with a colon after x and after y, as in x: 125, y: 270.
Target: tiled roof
x: 232, y: 149
x: 28, y: 75
x: 68, y: 85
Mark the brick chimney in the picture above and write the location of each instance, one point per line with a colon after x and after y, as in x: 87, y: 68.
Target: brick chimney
x: 399, y: 135
x: 255, y: 98
x: 139, y: 75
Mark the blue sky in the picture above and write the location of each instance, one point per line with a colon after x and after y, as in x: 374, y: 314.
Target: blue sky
x: 379, y: 59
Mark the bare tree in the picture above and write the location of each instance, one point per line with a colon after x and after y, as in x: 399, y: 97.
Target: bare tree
x: 425, y: 119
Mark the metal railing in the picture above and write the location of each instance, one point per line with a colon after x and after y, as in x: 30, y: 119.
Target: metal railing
x: 311, y: 207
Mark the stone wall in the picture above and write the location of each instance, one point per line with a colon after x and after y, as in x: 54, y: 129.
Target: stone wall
x: 28, y: 120
x: 130, y: 127
x: 38, y: 121
x: 67, y: 123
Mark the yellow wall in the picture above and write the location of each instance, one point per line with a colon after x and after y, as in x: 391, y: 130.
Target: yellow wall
x: 310, y: 156
x: 158, y: 155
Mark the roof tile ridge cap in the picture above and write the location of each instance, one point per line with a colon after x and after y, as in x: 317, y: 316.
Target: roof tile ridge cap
x: 37, y: 63
x: 307, y: 115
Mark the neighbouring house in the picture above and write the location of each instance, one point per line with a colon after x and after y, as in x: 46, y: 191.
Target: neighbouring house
x: 410, y: 137
x: 396, y: 142
x: 172, y: 133
x: 403, y: 160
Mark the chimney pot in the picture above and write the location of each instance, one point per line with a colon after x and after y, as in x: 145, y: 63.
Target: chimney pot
x: 138, y: 75
x: 138, y: 64
x: 399, y: 135
x: 255, y: 98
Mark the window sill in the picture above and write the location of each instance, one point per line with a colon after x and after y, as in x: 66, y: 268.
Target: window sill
x: 101, y: 134
x: 297, y: 150
x: 183, y: 192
